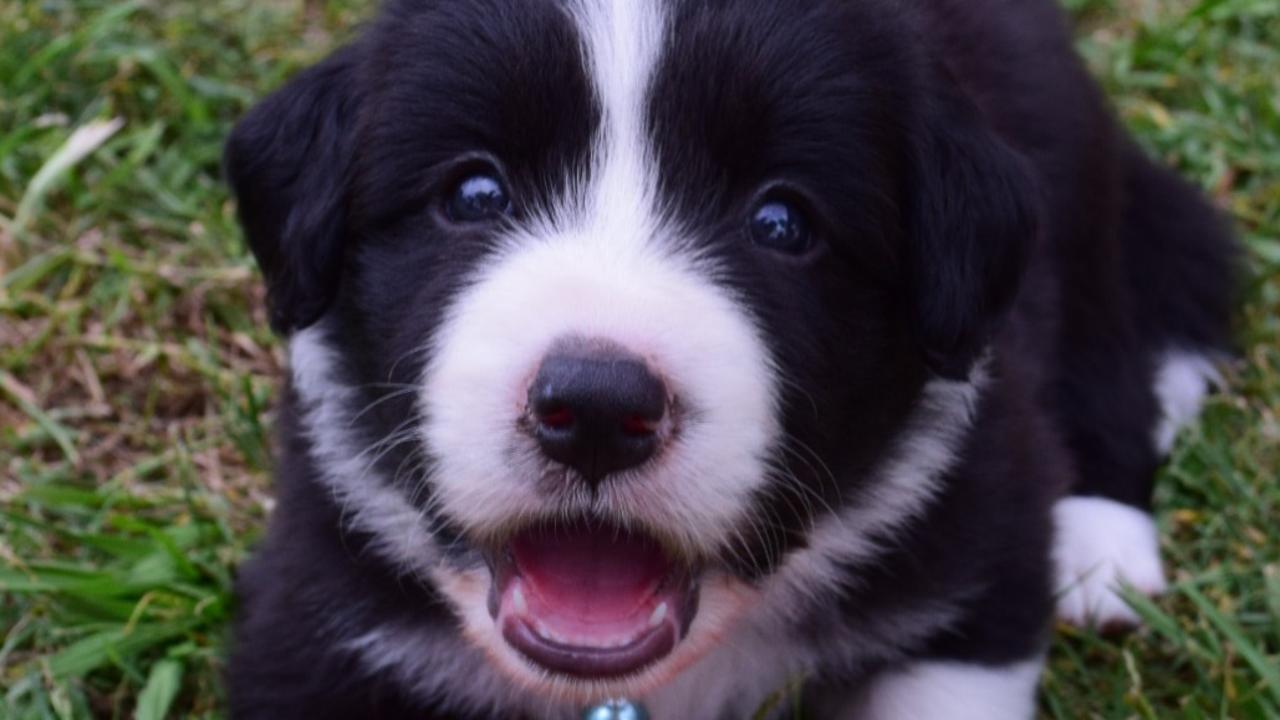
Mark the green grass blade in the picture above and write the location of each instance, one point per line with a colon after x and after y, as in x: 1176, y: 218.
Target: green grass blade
x: 1267, y: 669
x: 107, y: 646
x: 157, y: 696
x: 79, y: 145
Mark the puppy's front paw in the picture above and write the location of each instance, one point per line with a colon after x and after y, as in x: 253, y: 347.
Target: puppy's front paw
x: 1101, y: 544
x: 949, y: 690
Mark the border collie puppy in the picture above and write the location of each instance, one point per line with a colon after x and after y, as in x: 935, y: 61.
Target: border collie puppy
x: 694, y: 352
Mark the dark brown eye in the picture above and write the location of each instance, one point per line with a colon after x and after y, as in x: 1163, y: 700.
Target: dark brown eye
x: 478, y: 198
x: 780, y: 225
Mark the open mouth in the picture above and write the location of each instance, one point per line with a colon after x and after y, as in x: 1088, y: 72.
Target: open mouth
x: 591, y: 601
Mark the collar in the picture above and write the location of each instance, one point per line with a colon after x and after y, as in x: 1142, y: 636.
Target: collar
x: 619, y: 709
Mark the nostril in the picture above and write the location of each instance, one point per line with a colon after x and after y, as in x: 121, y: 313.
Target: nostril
x: 556, y: 418
x: 639, y: 426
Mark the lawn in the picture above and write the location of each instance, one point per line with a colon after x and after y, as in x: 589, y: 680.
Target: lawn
x: 136, y: 371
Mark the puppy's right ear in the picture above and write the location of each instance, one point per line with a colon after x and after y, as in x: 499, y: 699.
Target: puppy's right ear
x: 289, y: 164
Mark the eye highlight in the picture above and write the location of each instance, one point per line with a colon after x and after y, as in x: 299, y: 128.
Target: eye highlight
x: 478, y: 198
x: 781, y: 226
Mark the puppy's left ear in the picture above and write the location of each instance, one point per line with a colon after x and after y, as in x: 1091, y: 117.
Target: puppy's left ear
x: 289, y: 164
x: 971, y: 221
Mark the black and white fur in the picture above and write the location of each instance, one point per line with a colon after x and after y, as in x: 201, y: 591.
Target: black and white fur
x: 909, y: 444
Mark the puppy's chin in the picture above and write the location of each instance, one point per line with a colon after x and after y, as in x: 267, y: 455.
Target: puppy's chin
x: 721, y: 602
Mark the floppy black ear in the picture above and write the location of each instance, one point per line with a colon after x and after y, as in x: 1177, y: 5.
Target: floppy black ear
x: 971, y: 221
x: 288, y: 162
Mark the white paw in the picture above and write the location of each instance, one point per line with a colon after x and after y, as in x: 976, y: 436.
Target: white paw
x: 942, y: 690
x: 1181, y: 382
x: 1101, y: 544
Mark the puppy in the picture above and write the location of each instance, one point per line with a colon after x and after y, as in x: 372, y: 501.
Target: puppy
x: 698, y: 353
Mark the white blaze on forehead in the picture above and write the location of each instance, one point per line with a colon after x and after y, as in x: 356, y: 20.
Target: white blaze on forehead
x: 603, y: 264
x: 622, y: 42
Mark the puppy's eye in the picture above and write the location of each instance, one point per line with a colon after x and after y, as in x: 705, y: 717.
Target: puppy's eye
x: 478, y: 198
x: 780, y: 225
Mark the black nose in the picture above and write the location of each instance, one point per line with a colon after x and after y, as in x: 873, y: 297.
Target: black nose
x: 596, y: 409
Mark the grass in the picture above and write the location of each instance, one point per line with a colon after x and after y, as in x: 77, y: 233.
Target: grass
x: 136, y: 374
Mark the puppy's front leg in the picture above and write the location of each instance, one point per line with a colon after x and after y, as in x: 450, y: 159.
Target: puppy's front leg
x: 950, y: 690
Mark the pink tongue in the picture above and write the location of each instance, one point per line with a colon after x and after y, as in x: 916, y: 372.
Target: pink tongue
x: 592, y: 576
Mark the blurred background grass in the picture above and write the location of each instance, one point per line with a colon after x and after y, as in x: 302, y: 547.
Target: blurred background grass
x: 136, y: 373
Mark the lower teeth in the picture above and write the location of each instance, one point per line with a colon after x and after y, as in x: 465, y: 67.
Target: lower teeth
x: 659, y: 614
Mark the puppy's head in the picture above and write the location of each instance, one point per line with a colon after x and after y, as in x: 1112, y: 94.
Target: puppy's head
x: 599, y: 306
